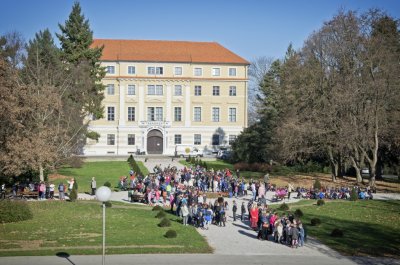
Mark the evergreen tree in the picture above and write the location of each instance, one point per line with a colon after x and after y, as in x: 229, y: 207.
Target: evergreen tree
x: 76, y: 39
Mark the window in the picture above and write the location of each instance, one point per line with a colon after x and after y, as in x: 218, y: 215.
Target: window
x: 178, y: 114
x: 197, y: 139
x: 198, y: 71
x: 154, y: 114
x: 197, y: 90
x: 131, y: 70
x: 131, y: 113
x: 232, y: 91
x: 155, y: 90
x: 232, y: 138
x: 131, y: 90
x: 178, y: 90
x: 232, y: 71
x: 178, y: 70
x: 232, y: 114
x: 215, y: 114
x: 110, y: 69
x: 110, y: 89
x: 110, y: 139
x: 178, y: 139
x: 215, y: 90
x: 215, y: 139
x: 216, y: 72
x: 151, y: 70
x: 197, y: 113
x: 110, y: 113
x: 131, y: 139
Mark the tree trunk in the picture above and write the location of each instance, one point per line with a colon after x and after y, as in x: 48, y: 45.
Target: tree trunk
x: 41, y: 174
x: 334, y: 165
x: 358, y: 170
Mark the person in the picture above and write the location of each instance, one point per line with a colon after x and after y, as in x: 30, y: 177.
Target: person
x: 290, y: 189
x: 71, y: 184
x: 234, y: 209
x: 52, y: 186
x: 93, y: 186
x: 184, y: 213
x: 254, y: 216
x: 243, y: 212
x: 61, y: 194
x: 266, y: 180
x: 42, y: 191
x: 301, y: 234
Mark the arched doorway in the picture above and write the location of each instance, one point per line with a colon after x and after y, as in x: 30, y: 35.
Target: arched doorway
x: 155, y: 142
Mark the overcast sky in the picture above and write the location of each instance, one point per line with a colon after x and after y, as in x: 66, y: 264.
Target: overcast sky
x: 250, y: 28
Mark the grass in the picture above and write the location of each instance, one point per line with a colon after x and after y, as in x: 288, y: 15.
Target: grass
x: 76, y: 228
x: 103, y: 171
x: 370, y: 227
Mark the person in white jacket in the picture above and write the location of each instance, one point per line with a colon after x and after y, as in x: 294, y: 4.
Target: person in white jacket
x: 184, y: 213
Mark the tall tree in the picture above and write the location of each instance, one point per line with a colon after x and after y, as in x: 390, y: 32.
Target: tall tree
x: 76, y: 39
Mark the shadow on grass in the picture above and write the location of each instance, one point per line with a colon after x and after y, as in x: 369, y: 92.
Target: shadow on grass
x: 360, y: 238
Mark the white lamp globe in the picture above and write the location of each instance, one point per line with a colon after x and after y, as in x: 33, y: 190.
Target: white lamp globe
x: 103, y: 193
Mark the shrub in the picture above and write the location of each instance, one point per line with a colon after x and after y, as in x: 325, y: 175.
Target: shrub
x: 320, y: 202
x: 165, y: 222
x: 14, y: 211
x: 317, y: 184
x: 315, y: 221
x: 108, y: 204
x: 283, y: 207
x: 298, y: 213
x: 73, y: 195
x: 170, y: 234
x: 107, y: 184
x: 157, y: 208
x: 337, y: 232
x: 354, y: 195
x: 160, y: 214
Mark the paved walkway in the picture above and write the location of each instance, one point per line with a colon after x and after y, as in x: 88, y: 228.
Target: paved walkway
x: 239, y: 240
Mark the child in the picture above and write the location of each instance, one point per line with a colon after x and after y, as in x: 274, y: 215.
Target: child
x: 301, y: 235
x: 222, y: 217
x: 295, y: 235
x: 243, y: 212
x: 234, y: 209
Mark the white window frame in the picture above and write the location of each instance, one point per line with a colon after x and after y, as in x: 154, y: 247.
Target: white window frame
x: 176, y: 137
x: 215, y: 116
x: 197, y: 141
x: 156, y: 113
x: 110, y: 89
x: 175, y: 72
x: 233, y: 68
x: 230, y: 116
x: 111, y: 139
x: 108, y: 67
x: 130, y: 67
x: 175, y: 90
x: 130, y: 137
x: 158, y: 90
x: 128, y: 90
x: 132, y: 115
x: 216, y: 91
x: 178, y: 114
x: 109, y: 114
x: 156, y: 70
x: 216, y: 71
x: 196, y: 90
x: 198, y: 68
x: 194, y: 114
x: 232, y: 91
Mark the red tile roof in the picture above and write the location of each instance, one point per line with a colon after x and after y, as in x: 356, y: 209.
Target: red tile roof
x: 166, y: 51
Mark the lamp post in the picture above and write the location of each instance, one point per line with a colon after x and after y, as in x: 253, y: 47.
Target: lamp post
x: 103, y: 194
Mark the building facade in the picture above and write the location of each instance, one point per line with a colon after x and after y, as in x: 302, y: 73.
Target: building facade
x: 159, y: 94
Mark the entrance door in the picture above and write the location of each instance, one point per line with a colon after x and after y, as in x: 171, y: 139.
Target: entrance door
x: 154, y: 142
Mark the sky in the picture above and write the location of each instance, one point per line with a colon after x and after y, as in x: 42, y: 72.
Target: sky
x: 250, y: 28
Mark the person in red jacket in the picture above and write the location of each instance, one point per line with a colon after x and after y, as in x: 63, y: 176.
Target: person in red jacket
x: 253, y: 216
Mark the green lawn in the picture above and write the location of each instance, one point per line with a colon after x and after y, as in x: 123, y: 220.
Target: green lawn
x: 76, y: 228
x: 370, y: 227
x: 221, y: 165
x: 103, y: 171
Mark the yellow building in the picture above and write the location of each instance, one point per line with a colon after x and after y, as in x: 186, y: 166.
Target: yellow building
x: 162, y: 93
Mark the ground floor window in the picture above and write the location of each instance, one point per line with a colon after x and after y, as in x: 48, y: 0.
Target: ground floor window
x: 178, y: 139
x: 131, y: 139
x: 197, y: 139
x: 215, y: 139
x: 232, y: 138
x: 110, y: 139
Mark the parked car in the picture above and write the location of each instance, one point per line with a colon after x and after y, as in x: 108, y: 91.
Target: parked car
x: 183, y: 150
x: 224, y: 154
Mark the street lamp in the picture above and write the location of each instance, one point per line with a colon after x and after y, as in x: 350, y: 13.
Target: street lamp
x: 103, y: 194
